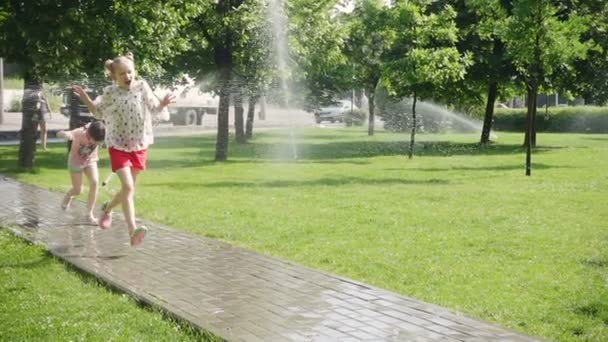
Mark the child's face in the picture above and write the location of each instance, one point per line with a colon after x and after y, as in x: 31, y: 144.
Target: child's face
x: 124, y: 72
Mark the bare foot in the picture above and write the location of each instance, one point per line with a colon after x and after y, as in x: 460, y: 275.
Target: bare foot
x: 92, y: 219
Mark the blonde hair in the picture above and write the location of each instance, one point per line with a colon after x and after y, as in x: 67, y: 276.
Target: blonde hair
x: 110, y: 63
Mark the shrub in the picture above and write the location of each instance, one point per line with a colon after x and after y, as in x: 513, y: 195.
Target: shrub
x: 355, y: 117
x: 580, y: 119
x: 15, y: 104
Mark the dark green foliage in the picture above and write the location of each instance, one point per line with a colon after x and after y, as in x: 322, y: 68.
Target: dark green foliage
x: 562, y: 120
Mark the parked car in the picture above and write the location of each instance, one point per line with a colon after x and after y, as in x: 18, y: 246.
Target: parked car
x: 335, y: 112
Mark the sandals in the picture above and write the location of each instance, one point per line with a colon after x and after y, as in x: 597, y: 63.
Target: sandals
x: 138, y: 235
x: 105, y: 220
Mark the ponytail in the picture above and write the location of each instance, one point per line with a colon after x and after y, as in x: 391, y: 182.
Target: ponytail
x: 109, y: 64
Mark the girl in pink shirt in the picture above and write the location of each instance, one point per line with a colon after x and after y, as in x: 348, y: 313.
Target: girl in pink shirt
x: 83, y: 159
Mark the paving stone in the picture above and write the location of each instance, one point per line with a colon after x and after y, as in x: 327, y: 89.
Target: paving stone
x: 231, y: 292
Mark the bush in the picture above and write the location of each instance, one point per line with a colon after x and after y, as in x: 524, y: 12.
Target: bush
x: 356, y: 117
x: 580, y: 119
x: 15, y: 105
x: 430, y: 117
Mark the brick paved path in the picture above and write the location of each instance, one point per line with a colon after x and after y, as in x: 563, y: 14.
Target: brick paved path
x: 234, y: 293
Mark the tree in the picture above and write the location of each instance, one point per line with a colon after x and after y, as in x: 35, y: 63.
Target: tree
x: 588, y: 77
x: 222, y: 48
x: 66, y: 40
x: 424, y: 57
x: 256, y: 66
x: 539, y: 41
x: 316, y: 36
x: 492, y: 69
x: 366, y: 46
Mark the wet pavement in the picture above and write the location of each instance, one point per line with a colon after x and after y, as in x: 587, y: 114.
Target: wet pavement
x: 234, y: 293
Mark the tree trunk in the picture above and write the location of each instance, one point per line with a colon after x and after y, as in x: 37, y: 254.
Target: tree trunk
x: 371, y: 93
x: 29, y: 104
x: 489, y: 115
x: 223, y: 59
x: 239, y: 124
x: 533, y: 129
x: 413, y: 134
x: 250, y: 116
x: 221, y: 144
x: 262, y: 112
x: 1, y: 90
x: 359, y: 98
x: 372, y: 115
x: 532, y: 93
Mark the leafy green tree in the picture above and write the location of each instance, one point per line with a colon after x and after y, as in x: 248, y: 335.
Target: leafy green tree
x: 366, y: 46
x: 66, y: 40
x: 491, y: 70
x: 316, y: 35
x: 224, y: 49
x: 424, y: 58
x: 588, y: 77
x: 539, y: 41
x: 257, y: 67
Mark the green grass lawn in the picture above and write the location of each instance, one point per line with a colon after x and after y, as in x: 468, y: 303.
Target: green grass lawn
x: 43, y: 300
x: 458, y: 225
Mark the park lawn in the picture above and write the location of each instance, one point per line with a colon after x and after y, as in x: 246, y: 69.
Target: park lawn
x: 43, y: 299
x: 458, y: 225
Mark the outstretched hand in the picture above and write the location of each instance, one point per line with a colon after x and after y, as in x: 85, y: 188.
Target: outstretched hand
x: 169, y: 98
x: 82, y: 94
x: 78, y: 91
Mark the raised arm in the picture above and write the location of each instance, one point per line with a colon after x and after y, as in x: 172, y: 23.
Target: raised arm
x: 84, y: 97
x: 158, y: 107
x: 67, y: 135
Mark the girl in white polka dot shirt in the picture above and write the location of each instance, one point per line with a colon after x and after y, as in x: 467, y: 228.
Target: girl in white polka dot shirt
x: 128, y: 108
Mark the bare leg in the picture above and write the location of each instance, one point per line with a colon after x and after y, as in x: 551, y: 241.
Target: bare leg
x: 137, y: 238
x: 93, y: 176
x: 118, y: 197
x: 75, y: 190
x: 43, y: 134
x: 125, y: 197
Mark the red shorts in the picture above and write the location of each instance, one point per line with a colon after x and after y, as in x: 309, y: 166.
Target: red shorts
x: 120, y: 159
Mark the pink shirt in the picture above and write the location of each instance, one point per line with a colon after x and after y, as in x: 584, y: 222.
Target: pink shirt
x: 84, y: 149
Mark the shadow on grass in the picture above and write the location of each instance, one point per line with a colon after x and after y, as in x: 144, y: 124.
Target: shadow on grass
x: 201, y: 152
x: 53, y: 158
x: 598, y: 137
x: 28, y: 265
x: 333, y: 147
x: 537, y: 166
x: 285, y: 184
